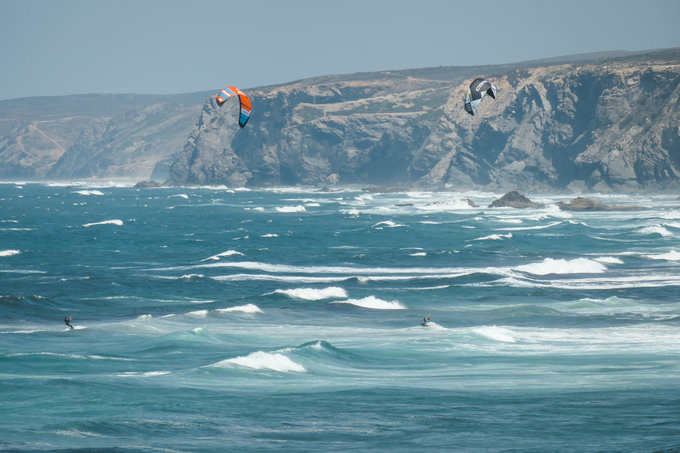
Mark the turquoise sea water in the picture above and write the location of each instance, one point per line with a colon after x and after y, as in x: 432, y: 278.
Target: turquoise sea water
x: 210, y: 319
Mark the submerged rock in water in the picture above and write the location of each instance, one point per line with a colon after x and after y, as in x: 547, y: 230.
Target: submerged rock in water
x: 586, y: 204
x: 514, y: 199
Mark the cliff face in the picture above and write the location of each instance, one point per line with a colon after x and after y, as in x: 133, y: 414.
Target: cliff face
x: 130, y: 146
x: 94, y: 135
x: 591, y: 123
x: 605, y: 125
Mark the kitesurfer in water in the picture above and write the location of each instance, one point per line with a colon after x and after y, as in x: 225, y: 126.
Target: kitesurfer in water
x: 67, y: 320
x: 426, y: 319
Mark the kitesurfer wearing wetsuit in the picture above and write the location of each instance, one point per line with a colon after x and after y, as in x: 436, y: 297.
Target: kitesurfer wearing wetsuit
x: 426, y: 319
x: 67, y: 320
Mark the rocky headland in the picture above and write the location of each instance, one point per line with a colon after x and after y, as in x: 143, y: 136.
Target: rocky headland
x: 593, y: 123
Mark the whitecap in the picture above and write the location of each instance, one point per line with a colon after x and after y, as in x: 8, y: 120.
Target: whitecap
x: 656, y: 229
x: 387, y: 224
x: 265, y: 361
x: 179, y: 195
x: 494, y: 237
x: 198, y: 313
x: 143, y: 373
x: 5, y: 253
x: 313, y: 293
x: 269, y: 235
x: 609, y: 260
x: 670, y: 256
x: 219, y: 255
x: 496, y: 333
x: 671, y: 215
x: 374, y: 303
x: 248, y: 308
x: 562, y: 266
x: 538, y: 227
x: 291, y: 209
x: 105, y: 222
x: 445, y: 206
x: 89, y: 192
x: 350, y: 212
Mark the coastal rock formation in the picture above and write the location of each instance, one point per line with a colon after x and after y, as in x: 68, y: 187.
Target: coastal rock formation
x: 594, y: 123
x: 514, y: 199
x: 603, y: 124
x: 94, y: 135
x: 586, y: 204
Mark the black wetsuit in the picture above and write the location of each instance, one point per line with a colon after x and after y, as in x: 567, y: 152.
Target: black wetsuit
x: 66, y: 320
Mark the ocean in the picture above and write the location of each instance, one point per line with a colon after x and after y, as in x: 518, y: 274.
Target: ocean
x: 217, y: 319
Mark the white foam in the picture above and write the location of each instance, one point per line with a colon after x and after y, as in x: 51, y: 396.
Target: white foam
x: 191, y: 276
x: 562, y: 266
x: 637, y: 281
x: 350, y: 212
x: 445, y: 206
x: 219, y: 255
x: 538, y: 227
x: 277, y: 278
x: 248, y: 308
x: 291, y: 209
x: 670, y: 256
x: 5, y: 253
x: 286, y: 268
x: 387, y: 224
x: 198, y: 313
x: 313, y: 293
x: 105, y: 222
x: 265, y: 361
x: 89, y: 192
x: 496, y: 333
x: 143, y: 373
x: 495, y: 237
x: 510, y: 220
x: 179, y: 195
x: 418, y: 254
x: 433, y: 326
x: 656, y: 229
x: 671, y: 215
x: 269, y: 235
x: 609, y: 260
x: 373, y: 303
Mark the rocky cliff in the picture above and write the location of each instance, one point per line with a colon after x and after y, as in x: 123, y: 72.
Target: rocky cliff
x: 606, y: 122
x: 602, y: 124
x: 94, y: 135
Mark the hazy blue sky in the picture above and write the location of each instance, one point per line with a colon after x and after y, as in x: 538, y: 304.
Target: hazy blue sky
x: 55, y: 47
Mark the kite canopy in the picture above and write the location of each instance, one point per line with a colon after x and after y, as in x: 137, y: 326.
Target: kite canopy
x: 246, y: 107
x: 475, y: 93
